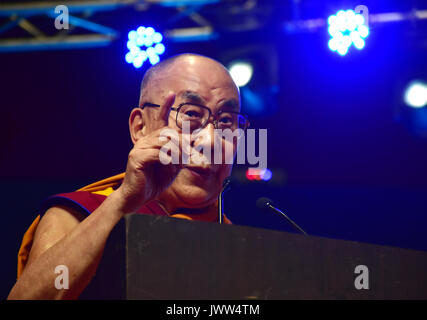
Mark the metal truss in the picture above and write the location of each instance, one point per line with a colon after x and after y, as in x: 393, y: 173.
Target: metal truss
x: 378, y: 18
x: 19, y: 16
x: 231, y: 15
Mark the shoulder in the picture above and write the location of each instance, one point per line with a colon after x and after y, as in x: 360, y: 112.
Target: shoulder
x: 53, y: 226
x: 84, y: 202
x: 60, y: 214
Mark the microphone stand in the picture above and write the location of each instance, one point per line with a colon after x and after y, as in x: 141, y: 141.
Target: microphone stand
x: 297, y: 227
x: 225, y: 185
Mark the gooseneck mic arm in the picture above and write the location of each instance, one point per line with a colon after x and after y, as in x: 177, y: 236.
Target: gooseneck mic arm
x: 225, y: 186
x: 265, y: 203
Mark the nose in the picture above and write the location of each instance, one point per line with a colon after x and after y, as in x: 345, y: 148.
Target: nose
x: 204, y: 145
x: 212, y: 120
x: 205, y: 137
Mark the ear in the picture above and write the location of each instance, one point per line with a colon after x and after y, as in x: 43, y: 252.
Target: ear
x: 136, y: 124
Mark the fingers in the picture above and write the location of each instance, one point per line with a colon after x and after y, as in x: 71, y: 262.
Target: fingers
x: 170, y: 142
x: 164, y: 111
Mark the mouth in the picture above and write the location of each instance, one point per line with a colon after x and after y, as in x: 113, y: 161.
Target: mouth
x: 200, y: 171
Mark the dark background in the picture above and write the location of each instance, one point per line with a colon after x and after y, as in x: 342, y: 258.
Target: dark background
x: 352, y: 166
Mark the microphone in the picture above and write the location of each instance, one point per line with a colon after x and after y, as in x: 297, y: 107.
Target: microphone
x: 265, y: 203
x: 225, y: 187
x: 226, y: 184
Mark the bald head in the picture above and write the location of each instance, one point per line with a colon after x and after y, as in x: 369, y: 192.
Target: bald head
x: 182, y: 64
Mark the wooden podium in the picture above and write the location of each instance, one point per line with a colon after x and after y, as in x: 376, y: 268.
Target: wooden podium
x: 152, y: 257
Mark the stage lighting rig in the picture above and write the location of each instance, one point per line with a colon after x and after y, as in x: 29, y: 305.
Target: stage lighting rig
x: 347, y: 28
x: 144, y: 44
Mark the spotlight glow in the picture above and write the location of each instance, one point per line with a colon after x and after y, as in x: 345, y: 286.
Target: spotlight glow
x: 157, y: 37
x: 346, y: 28
x: 259, y: 174
x: 160, y: 48
x: 144, y: 44
x: 241, y: 72
x: 415, y: 94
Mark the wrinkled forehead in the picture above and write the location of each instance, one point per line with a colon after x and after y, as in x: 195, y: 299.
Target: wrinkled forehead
x: 201, y: 79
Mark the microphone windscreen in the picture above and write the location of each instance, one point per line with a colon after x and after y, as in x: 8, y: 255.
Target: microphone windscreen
x: 263, y: 202
x: 226, y: 182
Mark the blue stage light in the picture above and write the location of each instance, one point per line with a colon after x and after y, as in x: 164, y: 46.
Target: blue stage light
x: 138, y: 61
x: 154, y: 59
x: 241, y: 72
x: 148, y: 42
x: 132, y: 35
x: 267, y: 175
x: 144, y: 44
x: 342, y: 50
x: 130, y: 44
x: 160, y: 48
x: 346, y: 28
x: 149, y: 31
x: 151, y: 52
x: 144, y: 55
x: 415, y: 95
x: 140, y: 31
x: 129, y: 57
x: 363, y: 31
x: 157, y: 37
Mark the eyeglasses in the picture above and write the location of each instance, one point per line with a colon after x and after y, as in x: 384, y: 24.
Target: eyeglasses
x: 198, y: 117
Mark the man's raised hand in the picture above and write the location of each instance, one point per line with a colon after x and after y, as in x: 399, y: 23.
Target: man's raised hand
x: 146, y: 177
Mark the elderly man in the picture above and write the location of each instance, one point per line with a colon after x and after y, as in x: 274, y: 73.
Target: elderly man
x: 74, y: 227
